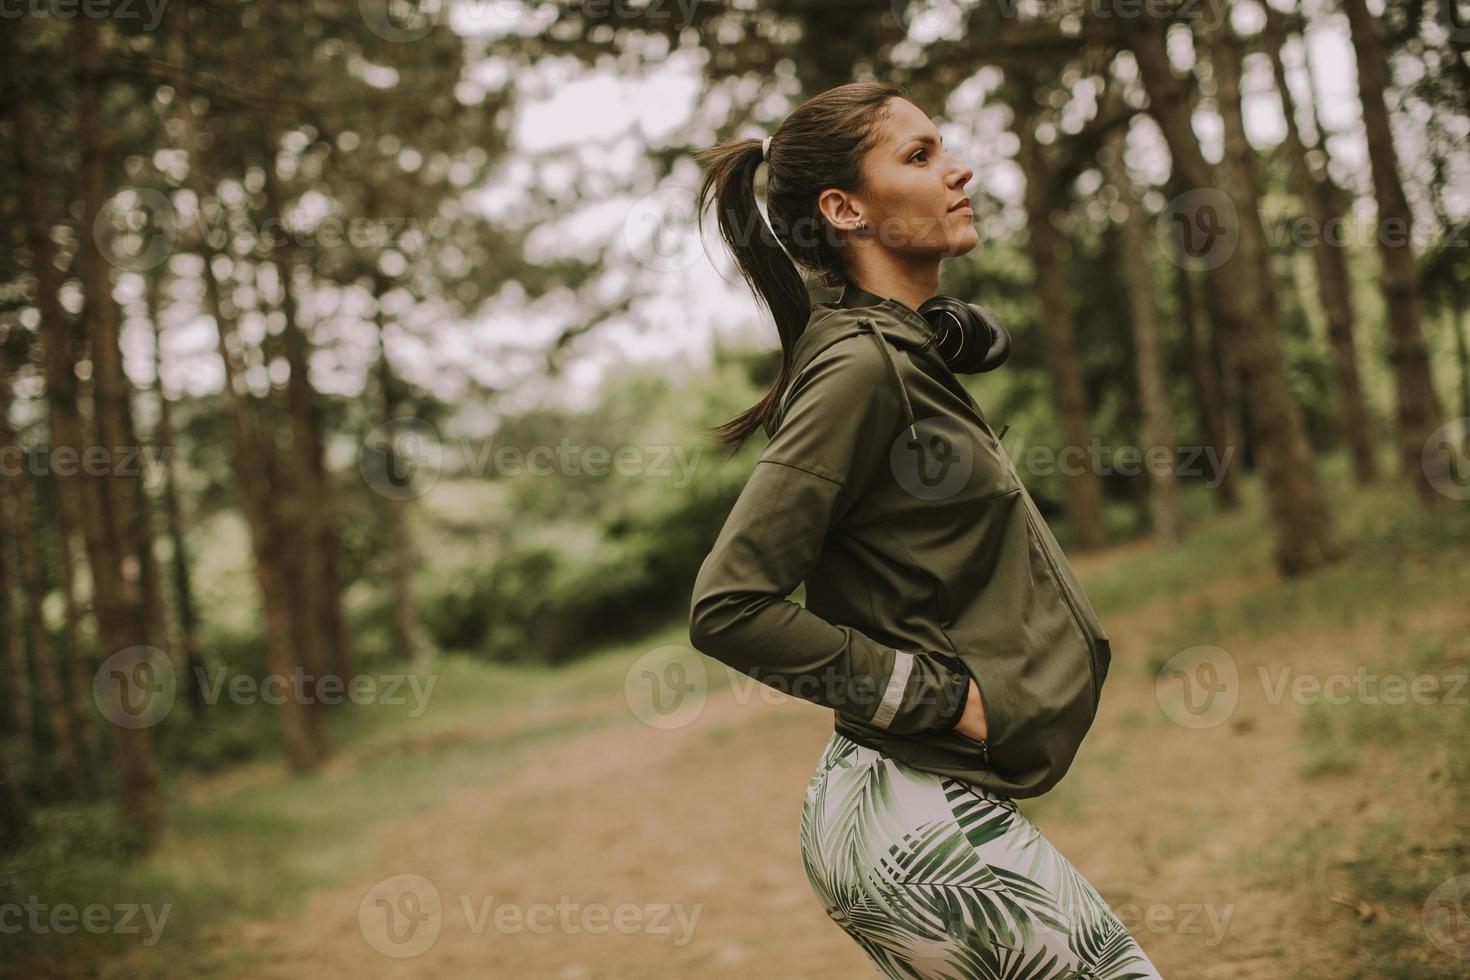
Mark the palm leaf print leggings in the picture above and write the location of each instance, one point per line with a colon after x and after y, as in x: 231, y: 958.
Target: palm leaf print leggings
x: 937, y: 878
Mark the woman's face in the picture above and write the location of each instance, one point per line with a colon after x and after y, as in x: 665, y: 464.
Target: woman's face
x: 912, y: 187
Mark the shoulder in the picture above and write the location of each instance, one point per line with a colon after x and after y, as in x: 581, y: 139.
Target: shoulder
x: 849, y: 383
x: 850, y: 375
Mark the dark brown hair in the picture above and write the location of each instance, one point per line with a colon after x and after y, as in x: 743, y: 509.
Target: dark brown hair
x: 819, y: 145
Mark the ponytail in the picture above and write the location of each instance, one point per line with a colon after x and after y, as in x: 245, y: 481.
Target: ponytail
x: 820, y: 145
x: 729, y: 178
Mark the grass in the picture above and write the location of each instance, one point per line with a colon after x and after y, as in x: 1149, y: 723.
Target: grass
x: 1386, y: 824
x: 250, y: 844
x: 255, y: 851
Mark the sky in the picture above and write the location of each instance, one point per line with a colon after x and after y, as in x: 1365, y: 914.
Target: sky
x: 696, y: 301
x: 589, y: 130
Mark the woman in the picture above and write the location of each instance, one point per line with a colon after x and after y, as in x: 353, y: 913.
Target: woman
x: 943, y: 625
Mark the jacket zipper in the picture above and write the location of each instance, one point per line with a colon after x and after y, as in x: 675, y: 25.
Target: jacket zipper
x: 1066, y: 597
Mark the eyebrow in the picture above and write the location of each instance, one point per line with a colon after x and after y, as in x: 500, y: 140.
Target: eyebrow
x: 924, y: 138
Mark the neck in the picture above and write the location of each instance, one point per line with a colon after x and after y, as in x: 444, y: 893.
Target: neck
x: 891, y: 279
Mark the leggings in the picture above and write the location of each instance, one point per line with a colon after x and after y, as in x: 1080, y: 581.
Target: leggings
x: 938, y: 878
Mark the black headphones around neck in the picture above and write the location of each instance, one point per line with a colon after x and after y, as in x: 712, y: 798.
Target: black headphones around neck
x: 969, y: 337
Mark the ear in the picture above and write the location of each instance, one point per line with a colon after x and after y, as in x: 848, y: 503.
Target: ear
x: 838, y: 207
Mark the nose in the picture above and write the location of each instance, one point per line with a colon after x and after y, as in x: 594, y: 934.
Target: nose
x: 961, y: 176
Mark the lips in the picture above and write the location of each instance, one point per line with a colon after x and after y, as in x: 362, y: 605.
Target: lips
x: 962, y: 203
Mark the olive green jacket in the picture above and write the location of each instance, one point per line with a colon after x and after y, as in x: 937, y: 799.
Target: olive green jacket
x: 926, y: 561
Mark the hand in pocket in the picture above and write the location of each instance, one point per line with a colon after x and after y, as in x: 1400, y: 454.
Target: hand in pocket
x: 973, y: 722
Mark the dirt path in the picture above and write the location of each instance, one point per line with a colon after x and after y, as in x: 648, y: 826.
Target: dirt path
x: 643, y: 823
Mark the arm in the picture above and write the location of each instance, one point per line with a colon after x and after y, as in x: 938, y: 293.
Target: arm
x: 841, y: 420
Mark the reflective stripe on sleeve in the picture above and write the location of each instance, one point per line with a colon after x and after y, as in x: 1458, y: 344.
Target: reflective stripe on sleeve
x: 903, y: 665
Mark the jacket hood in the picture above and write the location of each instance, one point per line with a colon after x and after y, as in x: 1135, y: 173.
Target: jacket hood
x: 891, y: 324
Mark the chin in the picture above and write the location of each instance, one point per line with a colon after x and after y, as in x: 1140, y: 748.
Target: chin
x: 961, y: 244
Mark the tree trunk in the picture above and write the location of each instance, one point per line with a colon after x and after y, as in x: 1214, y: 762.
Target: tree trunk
x: 116, y: 567
x: 77, y: 666
x: 78, y: 502
x: 22, y: 523
x: 16, y: 662
x: 321, y: 602
x: 1204, y: 381
x: 1418, y: 409
x: 1248, y: 334
x: 1153, y: 392
x: 14, y: 821
x: 1084, y: 485
x: 400, y: 539
x: 302, y: 729
x: 1454, y: 314
x: 1328, y: 255
x: 188, y: 617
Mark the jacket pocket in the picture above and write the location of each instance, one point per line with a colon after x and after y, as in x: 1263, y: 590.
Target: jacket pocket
x: 971, y: 745
x: 1040, y: 539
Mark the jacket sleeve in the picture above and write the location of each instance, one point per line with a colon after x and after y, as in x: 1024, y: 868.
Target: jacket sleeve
x: 841, y: 420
